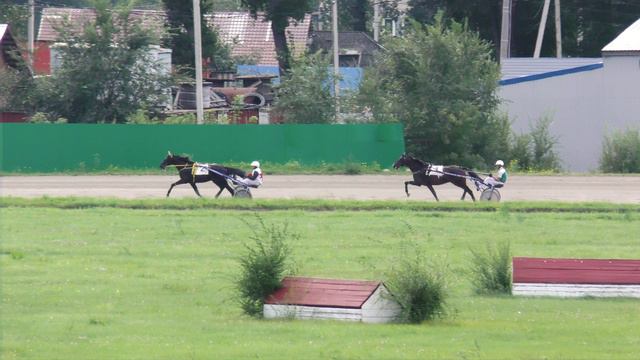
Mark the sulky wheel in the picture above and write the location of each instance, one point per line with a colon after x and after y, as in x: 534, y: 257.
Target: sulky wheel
x: 242, y: 193
x: 490, y: 195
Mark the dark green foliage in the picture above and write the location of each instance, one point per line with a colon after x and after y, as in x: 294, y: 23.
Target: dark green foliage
x: 587, y: 26
x: 180, y: 37
x: 621, y: 152
x: 106, y: 71
x: 491, y: 269
x: 441, y: 82
x: 419, y: 286
x: 304, y: 96
x: 264, y: 264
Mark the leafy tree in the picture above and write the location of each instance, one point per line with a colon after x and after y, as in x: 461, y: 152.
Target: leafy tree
x: 440, y: 81
x: 280, y: 13
x: 587, y: 26
x: 106, y: 71
x: 17, y: 16
x: 304, y: 96
x: 181, y: 37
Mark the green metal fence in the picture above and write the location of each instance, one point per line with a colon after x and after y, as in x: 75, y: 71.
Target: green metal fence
x: 60, y: 147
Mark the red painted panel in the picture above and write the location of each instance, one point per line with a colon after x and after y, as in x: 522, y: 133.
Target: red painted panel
x: 42, y: 58
x: 576, y: 271
x: 11, y: 117
x: 323, y: 292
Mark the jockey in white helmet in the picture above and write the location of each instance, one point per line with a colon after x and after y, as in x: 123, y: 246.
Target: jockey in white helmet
x: 254, y: 177
x: 500, y: 178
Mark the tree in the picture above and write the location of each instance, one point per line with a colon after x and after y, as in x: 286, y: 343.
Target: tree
x: 587, y: 26
x: 279, y: 12
x: 305, y: 94
x: 440, y: 81
x: 106, y: 72
x: 181, y: 37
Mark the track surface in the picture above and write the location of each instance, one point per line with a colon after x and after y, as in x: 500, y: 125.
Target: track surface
x: 618, y: 189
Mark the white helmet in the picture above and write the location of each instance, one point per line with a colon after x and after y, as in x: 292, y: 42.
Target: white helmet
x: 499, y: 163
x: 255, y: 163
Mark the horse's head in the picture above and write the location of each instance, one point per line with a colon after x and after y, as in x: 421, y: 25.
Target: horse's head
x: 402, y: 161
x: 173, y: 160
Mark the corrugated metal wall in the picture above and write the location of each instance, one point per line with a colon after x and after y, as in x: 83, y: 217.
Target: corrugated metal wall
x: 59, y: 147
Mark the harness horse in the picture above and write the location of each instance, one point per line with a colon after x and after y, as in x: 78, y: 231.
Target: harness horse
x: 426, y: 174
x: 192, y: 173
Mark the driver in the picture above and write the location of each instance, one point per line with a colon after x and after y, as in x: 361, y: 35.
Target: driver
x: 500, y: 178
x: 254, y: 177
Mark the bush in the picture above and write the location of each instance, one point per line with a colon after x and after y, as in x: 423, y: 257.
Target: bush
x: 491, y: 269
x: 535, y: 150
x: 621, y: 152
x: 264, y: 265
x: 418, y: 285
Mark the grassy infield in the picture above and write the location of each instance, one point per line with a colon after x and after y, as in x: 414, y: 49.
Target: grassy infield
x: 153, y: 279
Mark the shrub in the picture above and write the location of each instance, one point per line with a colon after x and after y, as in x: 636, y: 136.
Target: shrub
x: 264, y: 264
x: 491, y: 269
x: 419, y: 286
x: 536, y: 150
x: 621, y: 152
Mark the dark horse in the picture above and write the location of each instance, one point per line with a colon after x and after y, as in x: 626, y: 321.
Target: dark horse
x: 186, y: 171
x: 429, y: 175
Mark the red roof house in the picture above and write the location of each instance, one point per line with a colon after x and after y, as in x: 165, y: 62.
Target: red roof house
x: 252, y: 38
x: 248, y: 38
x: 576, y: 277
x: 76, y: 19
x: 312, y: 298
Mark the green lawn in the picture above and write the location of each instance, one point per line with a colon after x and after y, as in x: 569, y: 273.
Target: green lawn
x: 100, y: 282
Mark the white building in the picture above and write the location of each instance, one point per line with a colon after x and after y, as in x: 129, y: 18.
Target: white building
x: 586, y: 98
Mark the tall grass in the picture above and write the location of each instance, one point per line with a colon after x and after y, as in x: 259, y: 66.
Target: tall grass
x: 491, y: 269
x: 264, y: 264
x: 621, y: 152
x: 419, y: 286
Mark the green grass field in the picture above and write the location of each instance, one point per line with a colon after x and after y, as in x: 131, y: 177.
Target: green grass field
x: 105, y: 279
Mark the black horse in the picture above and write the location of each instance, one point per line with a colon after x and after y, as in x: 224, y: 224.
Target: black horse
x: 187, y: 171
x: 429, y: 175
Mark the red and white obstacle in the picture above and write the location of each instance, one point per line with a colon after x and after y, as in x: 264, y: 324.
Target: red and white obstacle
x: 313, y: 298
x: 576, y: 277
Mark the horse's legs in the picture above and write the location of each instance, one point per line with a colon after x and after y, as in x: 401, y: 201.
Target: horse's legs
x: 179, y: 182
x: 195, y: 188
x: 466, y: 190
x: 220, y: 191
x: 406, y: 186
x: 433, y: 191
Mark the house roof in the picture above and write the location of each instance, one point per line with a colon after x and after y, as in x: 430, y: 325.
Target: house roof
x: 628, y: 40
x: 78, y: 18
x: 249, y: 37
x: 3, y: 29
x: 323, y: 292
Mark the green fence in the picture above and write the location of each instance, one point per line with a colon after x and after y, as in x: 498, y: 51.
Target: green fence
x: 60, y: 147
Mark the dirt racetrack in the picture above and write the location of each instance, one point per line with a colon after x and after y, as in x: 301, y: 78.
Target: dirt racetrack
x: 617, y: 189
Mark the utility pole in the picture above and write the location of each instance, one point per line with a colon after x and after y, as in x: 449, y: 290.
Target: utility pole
x: 197, y: 39
x: 30, y: 31
x: 336, y: 58
x: 558, y: 30
x: 376, y: 20
x: 505, y: 31
x: 543, y: 23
